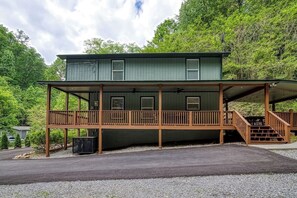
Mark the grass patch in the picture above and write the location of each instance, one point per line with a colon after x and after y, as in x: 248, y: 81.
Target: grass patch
x: 293, y: 138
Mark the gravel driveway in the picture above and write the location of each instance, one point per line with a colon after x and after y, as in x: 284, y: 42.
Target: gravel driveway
x: 258, y: 185
x: 203, y: 161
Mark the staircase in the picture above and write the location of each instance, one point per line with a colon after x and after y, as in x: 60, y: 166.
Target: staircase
x: 265, y: 134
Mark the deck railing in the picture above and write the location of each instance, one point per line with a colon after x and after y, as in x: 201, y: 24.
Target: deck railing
x: 286, y: 116
x: 87, y: 117
x: 175, y: 118
x: 209, y: 118
x: 61, y: 117
x: 140, y: 118
x: 74, y: 117
x: 279, y: 125
x: 144, y: 117
x: 242, y: 126
x: 228, y: 118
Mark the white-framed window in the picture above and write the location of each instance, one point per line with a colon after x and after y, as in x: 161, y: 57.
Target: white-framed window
x: 147, y: 103
x: 117, y: 103
x: 193, y: 103
x: 117, y: 72
x: 192, y: 69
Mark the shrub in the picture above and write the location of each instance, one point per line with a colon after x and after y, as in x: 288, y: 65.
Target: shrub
x: 38, y: 139
x: 4, y: 141
x: 27, y: 141
x: 18, y: 142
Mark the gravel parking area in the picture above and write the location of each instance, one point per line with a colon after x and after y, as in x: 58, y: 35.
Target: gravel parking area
x: 259, y: 185
x: 287, y: 153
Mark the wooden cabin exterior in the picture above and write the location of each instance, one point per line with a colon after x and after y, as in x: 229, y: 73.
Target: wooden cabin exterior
x: 148, y: 98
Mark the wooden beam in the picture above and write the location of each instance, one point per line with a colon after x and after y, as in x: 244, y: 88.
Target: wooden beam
x: 100, y: 120
x: 79, y: 109
x: 273, y: 107
x: 66, y: 129
x: 241, y: 95
x: 221, y: 108
x: 47, y: 131
x: 266, y: 103
x: 160, y: 117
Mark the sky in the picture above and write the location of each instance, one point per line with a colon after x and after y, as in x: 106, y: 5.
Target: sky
x: 62, y: 26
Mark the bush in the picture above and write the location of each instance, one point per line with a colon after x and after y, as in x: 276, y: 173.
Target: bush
x: 4, y: 141
x: 27, y: 141
x: 38, y: 139
x: 18, y: 142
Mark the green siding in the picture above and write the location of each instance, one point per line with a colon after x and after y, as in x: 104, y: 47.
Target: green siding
x: 142, y: 69
x: 104, y: 69
x: 123, y: 138
x: 155, y: 69
x: 82, y: 70
x: 210, y: 68
x: 170, y: 101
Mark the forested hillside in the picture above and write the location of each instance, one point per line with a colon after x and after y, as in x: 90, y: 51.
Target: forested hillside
x: 260, y: 34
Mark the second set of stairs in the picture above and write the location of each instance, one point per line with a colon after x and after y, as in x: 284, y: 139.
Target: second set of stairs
x: 265, y: 134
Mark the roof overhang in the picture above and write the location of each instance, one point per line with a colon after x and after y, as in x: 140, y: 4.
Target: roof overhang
x: 234, y: 90
x: 143, y: 55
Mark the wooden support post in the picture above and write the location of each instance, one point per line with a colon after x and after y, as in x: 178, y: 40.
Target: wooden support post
x: 160, y: 117
x: 66, y: 130
x: 221, y: 108
x: 47, y: 131
x: 291, y: 118
x: 191, y: 118
x: 79, y: 109
x: 100, y: 120
x: 273, y: 107
x: 130, y: 118
x: 65, y: 138
x: 227, y: 106
x: 266, y: 103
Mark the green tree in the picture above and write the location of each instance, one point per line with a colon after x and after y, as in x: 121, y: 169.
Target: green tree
x: 8, y: 107
x: 99, y: 46
x: 56, y: 71
x: 18, y: 142
x: 4, y: 141
x: 27, y: 141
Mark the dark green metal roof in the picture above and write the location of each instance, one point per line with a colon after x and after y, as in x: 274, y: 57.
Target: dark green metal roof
x: 144, y: 55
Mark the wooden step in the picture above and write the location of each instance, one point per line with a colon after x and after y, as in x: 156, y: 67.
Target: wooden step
x: 267, y: 138
x: 267, y: 142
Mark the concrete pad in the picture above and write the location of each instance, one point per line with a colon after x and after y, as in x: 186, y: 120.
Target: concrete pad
x: 291, y: 146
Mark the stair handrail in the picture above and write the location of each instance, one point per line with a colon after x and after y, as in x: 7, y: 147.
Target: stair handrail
x: 276, y: 123
x: 245, y: 130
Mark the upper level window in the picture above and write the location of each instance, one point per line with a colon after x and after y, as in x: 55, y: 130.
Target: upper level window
x: 192, y: 69
x: 193, y: 103
x: 118, y: 70
x: 117, y: 103
x: 147, y: 103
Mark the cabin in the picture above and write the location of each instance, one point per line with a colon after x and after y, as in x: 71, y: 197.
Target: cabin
x: 165, y: 97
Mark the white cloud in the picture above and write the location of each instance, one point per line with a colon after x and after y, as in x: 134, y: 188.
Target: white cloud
x: 56, y: 26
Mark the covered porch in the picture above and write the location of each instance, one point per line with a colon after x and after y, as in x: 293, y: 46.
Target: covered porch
x: 213, y: 116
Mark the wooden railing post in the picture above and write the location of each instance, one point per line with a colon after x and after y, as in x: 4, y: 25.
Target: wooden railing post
x: 130, y: 118
x: 190, y: 118
x: 75, y: 118
x: 291, y: 117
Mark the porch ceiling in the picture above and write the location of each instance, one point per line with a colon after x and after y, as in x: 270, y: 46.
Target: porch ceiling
x: 234, y: 90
